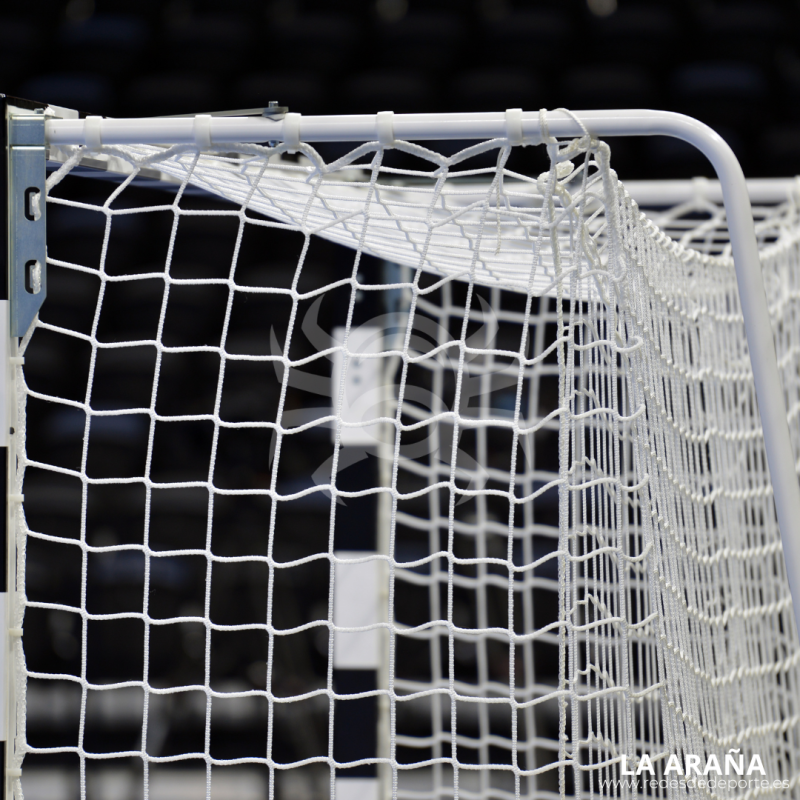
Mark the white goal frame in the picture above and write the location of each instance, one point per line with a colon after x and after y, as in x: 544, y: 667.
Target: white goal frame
x: 518, y: 127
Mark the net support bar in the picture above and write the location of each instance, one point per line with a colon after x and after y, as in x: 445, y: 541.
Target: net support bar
x: 526, y: 127
x: 662, y: 194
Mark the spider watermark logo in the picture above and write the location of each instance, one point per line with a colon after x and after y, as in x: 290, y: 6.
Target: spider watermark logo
x: 366, y: 410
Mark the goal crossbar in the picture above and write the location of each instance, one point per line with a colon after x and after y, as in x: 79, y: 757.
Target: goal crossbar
x: 528, y: 128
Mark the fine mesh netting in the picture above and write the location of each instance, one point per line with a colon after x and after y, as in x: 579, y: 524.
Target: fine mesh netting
x: 566, y: 483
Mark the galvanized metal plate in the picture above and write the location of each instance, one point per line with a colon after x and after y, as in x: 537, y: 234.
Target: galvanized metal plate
x: 27, y: 211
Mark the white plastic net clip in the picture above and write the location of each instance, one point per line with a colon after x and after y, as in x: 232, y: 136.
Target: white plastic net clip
x: 514, y: 126
x: 291, y: 131
x: 384, y: 124
x: 15, y: 633
x: 202, y: 131
x: 92, y: 133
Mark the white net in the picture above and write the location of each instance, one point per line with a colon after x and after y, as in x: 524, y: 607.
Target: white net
x: 583, y: 567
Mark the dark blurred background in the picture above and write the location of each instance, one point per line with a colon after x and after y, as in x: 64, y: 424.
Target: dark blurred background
x: 735, y: 65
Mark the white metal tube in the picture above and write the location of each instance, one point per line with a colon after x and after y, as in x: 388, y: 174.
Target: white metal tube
x: 673, y: 192
x: 628, y: 122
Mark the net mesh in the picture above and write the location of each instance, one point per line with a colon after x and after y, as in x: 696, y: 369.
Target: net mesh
x: 574, y: 510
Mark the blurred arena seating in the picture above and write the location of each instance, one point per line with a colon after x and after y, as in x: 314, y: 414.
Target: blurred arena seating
x: 736, y: 65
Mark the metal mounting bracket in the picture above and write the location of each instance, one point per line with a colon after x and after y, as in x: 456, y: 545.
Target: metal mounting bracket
x: 27, y: 241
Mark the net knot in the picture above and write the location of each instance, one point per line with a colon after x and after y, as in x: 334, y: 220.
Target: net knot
x: 563, y: 169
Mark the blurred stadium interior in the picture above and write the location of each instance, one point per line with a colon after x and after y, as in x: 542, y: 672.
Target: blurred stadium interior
x: 734, y: 65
